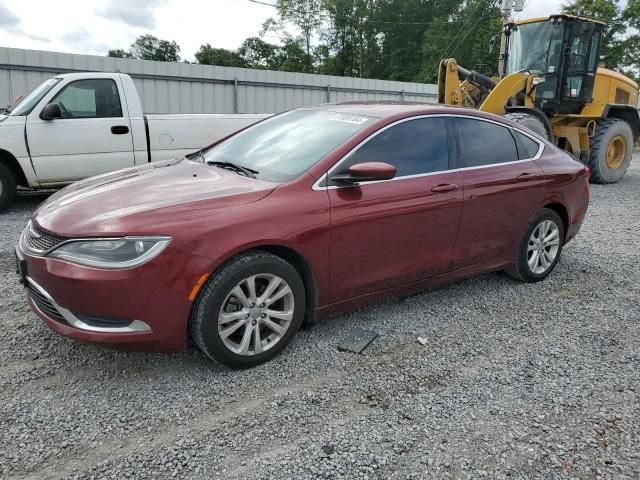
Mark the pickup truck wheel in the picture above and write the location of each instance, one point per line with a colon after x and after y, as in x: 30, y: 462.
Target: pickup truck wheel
x: 7, y: 187
x: 249, y: 310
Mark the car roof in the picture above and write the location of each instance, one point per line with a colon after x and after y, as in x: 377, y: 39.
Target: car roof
x: 398, y: 109
x: 378, y: 109
x: 389, y: 111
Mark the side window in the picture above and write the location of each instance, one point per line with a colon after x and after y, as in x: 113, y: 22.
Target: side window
x: 413, y: 147
x: 95, y: 98
x: 530, y: 147
x: 483, y: 143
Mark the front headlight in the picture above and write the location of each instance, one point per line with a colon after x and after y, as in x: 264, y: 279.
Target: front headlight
x: 112, y: 253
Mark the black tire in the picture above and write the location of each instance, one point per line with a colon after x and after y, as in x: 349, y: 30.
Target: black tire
x: 529, y: 121
x: 606, y: 130
x: 203, y: 322
x: 520, y: 269
x: 7, y: 187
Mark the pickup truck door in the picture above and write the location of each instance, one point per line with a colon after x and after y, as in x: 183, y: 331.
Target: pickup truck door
x: 92, y: 137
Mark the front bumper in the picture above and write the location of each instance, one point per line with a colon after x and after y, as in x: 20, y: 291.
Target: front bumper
x: 47, y: 306
x: 144, y: 308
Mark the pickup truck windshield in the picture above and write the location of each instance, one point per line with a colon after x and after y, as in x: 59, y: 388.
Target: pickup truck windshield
x: 27, y: 104
x: 283, y: 147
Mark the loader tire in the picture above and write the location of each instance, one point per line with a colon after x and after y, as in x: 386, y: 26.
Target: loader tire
x: 529, y: 121
x: 611, y: 150
x: 7, y: 187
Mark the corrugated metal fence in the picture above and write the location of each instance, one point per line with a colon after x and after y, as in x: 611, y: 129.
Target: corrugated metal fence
x: 186, y: 88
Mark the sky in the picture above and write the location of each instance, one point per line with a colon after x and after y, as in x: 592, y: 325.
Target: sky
x: 96, y: 26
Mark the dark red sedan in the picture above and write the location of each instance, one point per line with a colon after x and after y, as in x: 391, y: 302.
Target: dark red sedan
x: 304, y: 214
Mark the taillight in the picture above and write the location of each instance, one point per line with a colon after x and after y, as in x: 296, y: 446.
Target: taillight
x: 587, y: 172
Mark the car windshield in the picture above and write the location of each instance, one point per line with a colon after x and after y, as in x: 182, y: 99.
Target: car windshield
x: 285, y: 146
x: 27, y: 104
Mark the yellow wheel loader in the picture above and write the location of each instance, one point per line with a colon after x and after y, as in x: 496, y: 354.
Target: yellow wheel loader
x: 549, y: 81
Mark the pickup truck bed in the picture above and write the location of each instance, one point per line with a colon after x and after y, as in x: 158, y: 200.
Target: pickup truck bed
x: 172, y: 136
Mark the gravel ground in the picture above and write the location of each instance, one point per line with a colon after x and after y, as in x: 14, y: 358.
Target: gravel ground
x: 515, y: 381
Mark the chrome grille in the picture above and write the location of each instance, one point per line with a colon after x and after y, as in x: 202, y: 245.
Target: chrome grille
x: 44, y: 304
x: 39, y: 240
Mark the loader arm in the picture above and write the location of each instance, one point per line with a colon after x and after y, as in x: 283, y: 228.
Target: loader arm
x: 508, y: 92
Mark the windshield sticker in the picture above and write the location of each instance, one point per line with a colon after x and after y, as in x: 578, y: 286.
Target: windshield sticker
x: 348, y: 118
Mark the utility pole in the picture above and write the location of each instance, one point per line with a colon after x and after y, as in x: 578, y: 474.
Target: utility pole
x: 507, y: 7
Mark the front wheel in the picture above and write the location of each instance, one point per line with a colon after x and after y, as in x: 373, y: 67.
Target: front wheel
x: 539, y: 248
x: 249, y: 310
x: 7, y: 187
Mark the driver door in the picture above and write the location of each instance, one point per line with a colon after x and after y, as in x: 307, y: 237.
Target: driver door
x: 92, y: 137
x: 393, y: 232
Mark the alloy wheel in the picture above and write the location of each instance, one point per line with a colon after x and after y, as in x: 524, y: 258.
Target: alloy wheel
x: 256, y: 314
x: 543, y: 247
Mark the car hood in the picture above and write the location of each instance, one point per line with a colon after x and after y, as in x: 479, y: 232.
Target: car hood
x: 153, y: 198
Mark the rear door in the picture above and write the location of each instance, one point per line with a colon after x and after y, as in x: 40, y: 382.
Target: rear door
x: 92, y: 137
x: 389, y: 233
x: 503, y: 187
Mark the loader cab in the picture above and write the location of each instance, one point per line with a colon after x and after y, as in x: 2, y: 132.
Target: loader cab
x: 562, y: 49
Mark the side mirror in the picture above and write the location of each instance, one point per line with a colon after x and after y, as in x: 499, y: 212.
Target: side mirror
x: 51, y: 111
x: 366, y: 172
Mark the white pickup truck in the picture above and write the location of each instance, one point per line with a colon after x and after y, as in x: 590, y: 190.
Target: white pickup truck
x: 78, y: 125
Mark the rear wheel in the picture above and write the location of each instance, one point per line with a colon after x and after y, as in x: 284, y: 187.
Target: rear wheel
x: 249, y: 310
x: 611, y: 150
x: 529, y: 121
x: 539, y: 248
x: 7, y: 187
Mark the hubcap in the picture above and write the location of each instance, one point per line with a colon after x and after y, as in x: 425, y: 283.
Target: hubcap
x: 256, y: 314
x: 543, y: 247
x: 616, y: 152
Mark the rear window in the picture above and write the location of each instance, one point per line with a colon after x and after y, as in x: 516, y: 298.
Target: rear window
x: 530, y: 146
x: 484, y: 143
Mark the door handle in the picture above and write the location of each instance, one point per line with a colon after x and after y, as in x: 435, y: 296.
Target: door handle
x: 444, y: 188
x: 525, y: 177
x: 119, y: 129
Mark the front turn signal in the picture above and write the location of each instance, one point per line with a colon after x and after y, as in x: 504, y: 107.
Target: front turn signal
x: 197, y: 286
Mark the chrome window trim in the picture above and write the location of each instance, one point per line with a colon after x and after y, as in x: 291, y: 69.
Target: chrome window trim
x: 134, y: 326
x: 316, y: 186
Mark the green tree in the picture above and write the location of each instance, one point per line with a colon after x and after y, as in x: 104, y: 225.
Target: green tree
x: 148, y: 47
x: 306, y: 15
x: 256, y: 53
x: 349, y: 38
x: 464, y: 32
x: 119, y: 53
x: 208, y: 55
x: 631, y: 44
x: 291, y: 57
